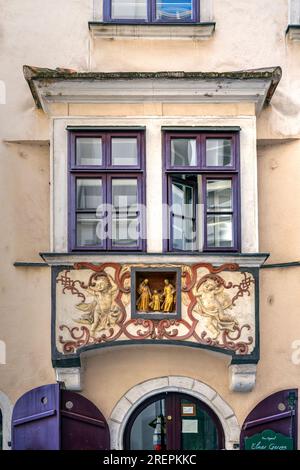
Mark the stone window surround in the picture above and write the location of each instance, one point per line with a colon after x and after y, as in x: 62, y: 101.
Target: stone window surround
x: 139, y: 393
x: 154, y: 218
x: 6, y: 408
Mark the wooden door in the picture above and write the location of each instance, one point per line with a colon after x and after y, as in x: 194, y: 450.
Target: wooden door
x: 272, y: 423
x: 50, y: 418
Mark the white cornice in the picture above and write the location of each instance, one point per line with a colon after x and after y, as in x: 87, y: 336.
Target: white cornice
x: 64, y: 86
x: 69, y: 259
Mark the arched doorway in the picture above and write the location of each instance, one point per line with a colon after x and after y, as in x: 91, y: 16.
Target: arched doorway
x: 173, y: 421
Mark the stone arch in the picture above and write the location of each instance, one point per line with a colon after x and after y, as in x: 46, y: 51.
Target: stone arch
x: 6, y: 408
x: 137, y: 394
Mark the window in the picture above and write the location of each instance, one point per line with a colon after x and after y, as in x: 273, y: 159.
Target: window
x: 201, y: 183
x: 106, y: 190
x: 151, y: 11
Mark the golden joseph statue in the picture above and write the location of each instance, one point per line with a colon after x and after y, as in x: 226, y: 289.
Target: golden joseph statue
x: 168, y: 296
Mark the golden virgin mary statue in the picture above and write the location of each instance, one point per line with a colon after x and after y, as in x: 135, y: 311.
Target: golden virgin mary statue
x: 143, y: 302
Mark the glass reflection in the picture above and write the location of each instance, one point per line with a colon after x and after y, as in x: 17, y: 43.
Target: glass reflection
x: 148, y: 430
x: 219, y: 195
x: 132, y: 9
x: 183, y: 152
x: 124, y: 151
x: 88, y: 151
x: 218, y: 152
x: 173, y: 10
x: 124, y: 216
x: 219, y: 231
x: 88, y: 193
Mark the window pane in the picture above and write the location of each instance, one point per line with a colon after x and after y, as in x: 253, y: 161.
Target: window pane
x: 148, y: 420
x: 183, y: 152
x: 124, y: 151
x: 219, y: 195
x: 88, y: 193
x: 89, y: 230
x: 88, y: 151
x: 183, y: 221
x: 124, y: 216
x: 174, y: 10
x: 218, y: 152
x: 219, y: 231
x: 131, y: 9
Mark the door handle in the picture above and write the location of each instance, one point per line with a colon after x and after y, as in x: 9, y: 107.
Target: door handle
x: 169, y: 418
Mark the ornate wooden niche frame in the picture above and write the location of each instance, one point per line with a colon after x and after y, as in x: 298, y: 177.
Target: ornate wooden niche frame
x: 156, y: 293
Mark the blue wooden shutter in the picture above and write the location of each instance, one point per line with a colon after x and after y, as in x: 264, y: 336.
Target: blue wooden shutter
x: 35, y: 420
x: 277, y: 412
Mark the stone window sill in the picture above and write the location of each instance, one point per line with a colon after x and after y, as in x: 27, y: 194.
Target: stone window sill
x: 293, y: 32
x: 197, y: 31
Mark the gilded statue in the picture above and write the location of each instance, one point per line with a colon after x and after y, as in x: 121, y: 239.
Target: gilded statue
x: 102, y: 312
x: 168, y: 296
x: 155, y: 303
x: 143, y: 302
x: 212, y: 302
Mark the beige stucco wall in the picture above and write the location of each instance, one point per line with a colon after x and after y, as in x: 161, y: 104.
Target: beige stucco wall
x: 248, y: 35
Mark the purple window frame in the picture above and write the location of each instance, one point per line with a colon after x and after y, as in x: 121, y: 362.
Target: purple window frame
x: 151, y: 15
x: 106, y: 172
x: 208, y: 172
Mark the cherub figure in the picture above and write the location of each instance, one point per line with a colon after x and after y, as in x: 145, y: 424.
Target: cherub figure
x: 102, y: 312
x: 212, y: 302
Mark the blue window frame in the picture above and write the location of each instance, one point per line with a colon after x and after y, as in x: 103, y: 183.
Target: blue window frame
x: 151, y: 11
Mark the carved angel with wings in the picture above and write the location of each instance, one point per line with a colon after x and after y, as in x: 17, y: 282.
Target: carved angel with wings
x: 102, y: 313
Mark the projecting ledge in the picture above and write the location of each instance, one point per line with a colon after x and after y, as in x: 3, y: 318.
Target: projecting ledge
x: 203, y: 30
x: 242, y: 377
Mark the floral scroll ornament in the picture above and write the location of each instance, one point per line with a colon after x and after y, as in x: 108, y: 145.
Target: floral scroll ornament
x: 104, y: 319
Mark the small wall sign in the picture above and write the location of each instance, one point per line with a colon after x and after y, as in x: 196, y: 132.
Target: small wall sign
x: 190, y: 426
x: 188, y: 409
x: 269, y: 440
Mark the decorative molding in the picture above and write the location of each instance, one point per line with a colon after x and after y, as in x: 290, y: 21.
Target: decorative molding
x: 246, y: 260
x: 198, y: 31
x: 139, y: 393
x: 50, y: 86
x: 242, y: 377
x: 6, y: 408
x: 93, y: 307
x: 70, y: 376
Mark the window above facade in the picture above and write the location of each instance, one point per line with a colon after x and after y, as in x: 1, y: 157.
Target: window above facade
x: 153, y: 19
x: 201, y: 183
x: 151, y: 11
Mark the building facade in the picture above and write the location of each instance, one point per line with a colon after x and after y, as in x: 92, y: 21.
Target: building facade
x: 149, y: 277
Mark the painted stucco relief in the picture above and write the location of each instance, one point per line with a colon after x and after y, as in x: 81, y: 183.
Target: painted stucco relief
x: 95, y: 305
